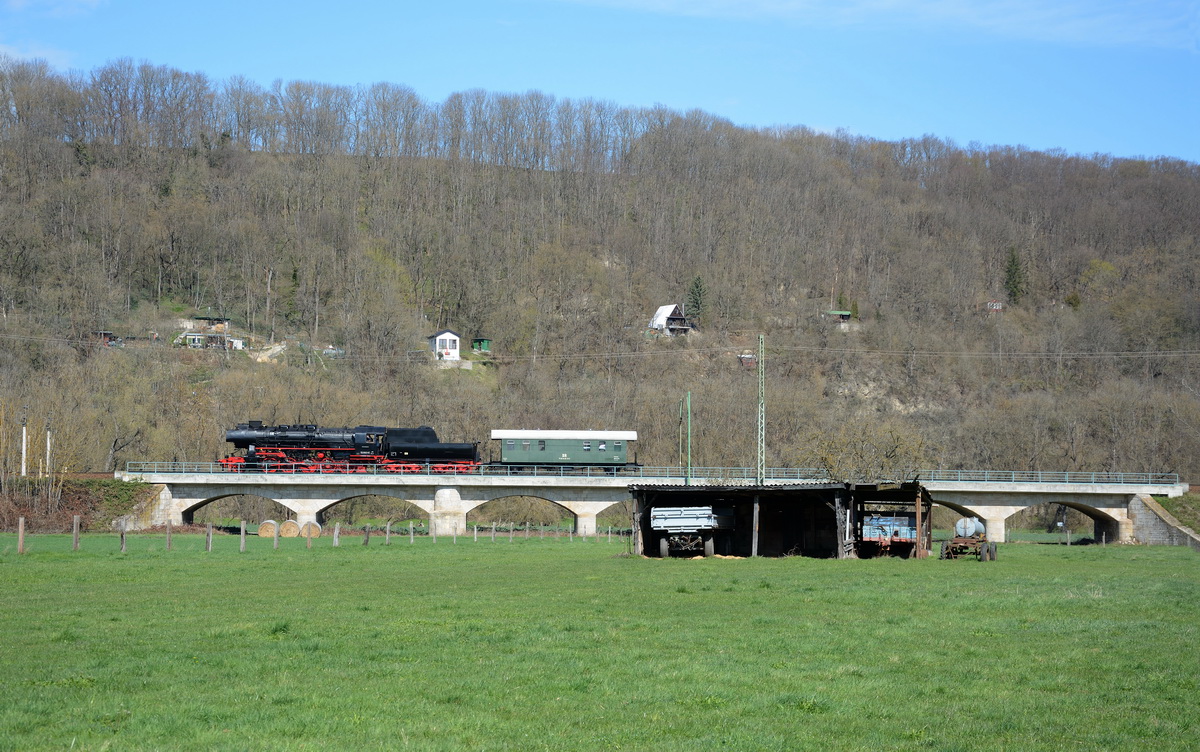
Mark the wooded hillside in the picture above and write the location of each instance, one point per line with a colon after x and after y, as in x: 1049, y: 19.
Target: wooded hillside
x: 367, y: 218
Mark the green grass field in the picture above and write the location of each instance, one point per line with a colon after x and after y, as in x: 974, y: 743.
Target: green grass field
x: 565, y: 645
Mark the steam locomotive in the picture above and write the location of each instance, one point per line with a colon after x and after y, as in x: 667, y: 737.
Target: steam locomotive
x: 375, y: 449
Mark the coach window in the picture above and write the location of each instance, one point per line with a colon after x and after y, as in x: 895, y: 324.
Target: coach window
x: 541, y: 445
x: 525, y: 445
x: 511, y: 444
x: 600, y: 447
x: 616, y: 446
x: 587, y: 446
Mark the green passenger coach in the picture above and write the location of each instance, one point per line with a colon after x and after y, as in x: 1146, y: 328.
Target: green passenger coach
x: 606, y: 448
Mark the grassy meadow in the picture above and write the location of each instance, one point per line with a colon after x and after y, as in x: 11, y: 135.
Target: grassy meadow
x: 561, y: 644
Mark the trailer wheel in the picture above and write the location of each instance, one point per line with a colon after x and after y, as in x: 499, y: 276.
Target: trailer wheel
x: 992, y: 550
x: 664, y: 547
x: 944, y: 553
x: 709, y: 547
x: 983, y: 552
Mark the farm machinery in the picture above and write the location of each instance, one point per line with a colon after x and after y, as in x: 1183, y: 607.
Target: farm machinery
x: 692, y: 529
x: 970, y: 539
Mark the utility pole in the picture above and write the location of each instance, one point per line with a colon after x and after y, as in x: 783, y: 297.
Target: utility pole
x: 24, y: 442
x: 761, y: 475
x: 685, y: 406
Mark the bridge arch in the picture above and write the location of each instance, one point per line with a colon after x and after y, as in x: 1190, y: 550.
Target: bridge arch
x: 1105, y: 526
x: 191, y: 507
x: 524, y: 508
x: 398, y: 503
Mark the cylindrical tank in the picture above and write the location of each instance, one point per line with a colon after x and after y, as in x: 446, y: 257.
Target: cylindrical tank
x: 968, y: 527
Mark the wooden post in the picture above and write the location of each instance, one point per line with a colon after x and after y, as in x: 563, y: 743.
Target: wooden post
x: 476, y: 533
x: 526, y: 529
x: 308, y: 536
x: 754, y: 530
x: 410, y: 532
x: 455, y: 534
x: 432, y: 530
x: 275, y: 536
x: 75, y: 533
x: 366, y: 534
x: 387, y: 534
x: 610, y: 533
x: 921, y: 551
x: 493, y: 532
x: 242, y: 542
x: 337, y: 534
x: 168, y: 535
x: 510, y: 532
x: 122, y: 536
x: 208, y: 539
x: 20, y: 535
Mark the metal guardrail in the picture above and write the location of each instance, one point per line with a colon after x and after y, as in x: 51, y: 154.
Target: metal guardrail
x: 738, y: 475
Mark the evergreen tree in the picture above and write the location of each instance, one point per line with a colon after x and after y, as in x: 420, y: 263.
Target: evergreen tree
x: 1015, y: 284
x: 695, y: 298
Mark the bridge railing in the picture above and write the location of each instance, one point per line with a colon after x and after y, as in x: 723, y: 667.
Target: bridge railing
x: 730, y: 475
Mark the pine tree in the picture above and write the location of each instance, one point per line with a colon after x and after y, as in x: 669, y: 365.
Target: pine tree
x: 695, y: 298
x: 1015, y: 284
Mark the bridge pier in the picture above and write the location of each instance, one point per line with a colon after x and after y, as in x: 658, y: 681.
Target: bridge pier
x: 449, y: 515
x: 995, y: 528
x: 585, y: 523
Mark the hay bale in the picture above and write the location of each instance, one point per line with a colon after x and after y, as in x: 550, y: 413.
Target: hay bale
x: 289, y: 529
x: 266, y: 528
x: 310, y: 529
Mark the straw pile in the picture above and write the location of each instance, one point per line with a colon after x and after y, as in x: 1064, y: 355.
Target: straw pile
x: 310, y: 529
x: 266, y: 528
x: 289, y: 529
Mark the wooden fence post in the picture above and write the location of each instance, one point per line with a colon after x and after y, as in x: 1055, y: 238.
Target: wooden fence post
x: 410, y: 532
x: 493, y: 532
x: 366, y: 534
x: 122, y: 536
x: 308, y: 536
x: 168, y: 535
x: 20, y: 535
x: 242, y: 545
x: 208, y: 539
x: 387, y: 534
x: 432, y: 530
x: 276, y: 535
x: 337, y: 534
x: 75, y: 533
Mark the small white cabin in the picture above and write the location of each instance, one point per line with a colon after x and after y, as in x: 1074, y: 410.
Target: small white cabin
x: 445, y: 345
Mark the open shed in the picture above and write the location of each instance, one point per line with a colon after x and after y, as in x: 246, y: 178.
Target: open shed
x: 822, y: 520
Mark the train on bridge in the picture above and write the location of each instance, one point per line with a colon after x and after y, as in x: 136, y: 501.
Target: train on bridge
x: 376, y: 449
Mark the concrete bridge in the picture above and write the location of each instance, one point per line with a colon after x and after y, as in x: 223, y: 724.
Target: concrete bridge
x: 1117, y: 502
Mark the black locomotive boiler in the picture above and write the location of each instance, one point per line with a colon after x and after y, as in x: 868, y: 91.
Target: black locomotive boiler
x: 313, y: 449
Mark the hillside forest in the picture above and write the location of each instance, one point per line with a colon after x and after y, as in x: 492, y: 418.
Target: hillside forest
x: 1008, y: 309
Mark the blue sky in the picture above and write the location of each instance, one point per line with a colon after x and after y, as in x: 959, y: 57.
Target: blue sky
x: 1118, y: 77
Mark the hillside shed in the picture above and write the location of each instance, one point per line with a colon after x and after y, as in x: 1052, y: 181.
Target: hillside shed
x: 445, y: 345
x: 669, y: 320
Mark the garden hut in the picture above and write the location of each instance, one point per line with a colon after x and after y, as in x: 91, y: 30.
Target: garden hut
x: 445, y: 345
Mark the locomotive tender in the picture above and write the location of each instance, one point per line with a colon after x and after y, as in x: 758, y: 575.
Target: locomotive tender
x: 362, y: 449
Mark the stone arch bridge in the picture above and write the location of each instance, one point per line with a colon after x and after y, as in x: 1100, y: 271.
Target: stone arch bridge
x: 1119, y: 503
